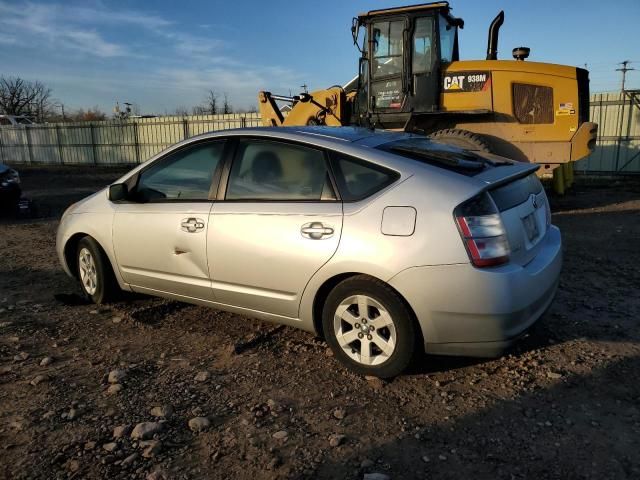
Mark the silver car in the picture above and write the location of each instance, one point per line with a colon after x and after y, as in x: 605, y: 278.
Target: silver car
x: 384, y: 243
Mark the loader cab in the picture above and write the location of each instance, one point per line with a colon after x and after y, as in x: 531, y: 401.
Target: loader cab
x: 403, y: 53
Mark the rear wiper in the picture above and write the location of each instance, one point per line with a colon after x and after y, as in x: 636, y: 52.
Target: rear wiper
x: 454, y: 160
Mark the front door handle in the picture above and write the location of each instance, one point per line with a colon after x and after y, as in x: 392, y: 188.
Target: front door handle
x: 316, y: 230
x: 192, y: 225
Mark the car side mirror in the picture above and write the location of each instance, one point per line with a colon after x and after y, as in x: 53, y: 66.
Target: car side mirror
x: 118, y: 192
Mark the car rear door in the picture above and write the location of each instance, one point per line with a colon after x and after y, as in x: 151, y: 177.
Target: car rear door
x: 160, y: 234
x: 279, y: 222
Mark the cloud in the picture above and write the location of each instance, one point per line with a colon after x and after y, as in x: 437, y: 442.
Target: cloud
x: 111, y: 54
x: 52, y: 27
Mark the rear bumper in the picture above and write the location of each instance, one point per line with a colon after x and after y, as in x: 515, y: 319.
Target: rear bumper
x: 464, y: 310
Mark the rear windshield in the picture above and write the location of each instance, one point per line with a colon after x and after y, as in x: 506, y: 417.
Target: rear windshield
x: 517, y: 192
x: 440, y: 155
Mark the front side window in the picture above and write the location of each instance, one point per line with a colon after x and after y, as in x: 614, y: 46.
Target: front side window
x: 274, y: 171
x: 358, y: 179
x: 387, y: 42
x: 183, y: 175
x: 423, y: 49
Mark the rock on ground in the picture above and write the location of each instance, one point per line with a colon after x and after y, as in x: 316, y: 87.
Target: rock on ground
x: 146, y: 430
x: 199, y: 424
x: 116, y: 376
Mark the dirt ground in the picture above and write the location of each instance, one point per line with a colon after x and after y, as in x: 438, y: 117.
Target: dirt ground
x: 564, y: 404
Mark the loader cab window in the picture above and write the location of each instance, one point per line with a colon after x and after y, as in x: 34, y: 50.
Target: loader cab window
x: 447, y: 40
x: 423, y: 48
x: 387, y: 46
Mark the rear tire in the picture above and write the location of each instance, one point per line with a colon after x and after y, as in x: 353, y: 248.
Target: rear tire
x: 461, y: 138
x: 369, y: 327
x: 97, y: 280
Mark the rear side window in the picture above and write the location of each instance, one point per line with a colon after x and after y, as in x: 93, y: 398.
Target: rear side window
x: 358, y: 179
x: 275, y: 171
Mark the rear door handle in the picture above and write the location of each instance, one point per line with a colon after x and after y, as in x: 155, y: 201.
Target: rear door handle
x: 316, y: 230
x: 192, y: 225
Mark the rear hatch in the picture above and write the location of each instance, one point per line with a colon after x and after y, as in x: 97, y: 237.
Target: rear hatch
x: 524, y: 209
x: 513, y: 186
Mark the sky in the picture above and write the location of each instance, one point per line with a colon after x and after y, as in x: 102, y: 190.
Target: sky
x: 166, y: 54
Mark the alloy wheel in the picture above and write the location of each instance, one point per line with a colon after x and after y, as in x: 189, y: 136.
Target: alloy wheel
x: 88, y: 272
x: 365, y: 330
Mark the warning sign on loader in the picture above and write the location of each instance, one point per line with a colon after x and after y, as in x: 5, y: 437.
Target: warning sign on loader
x: 466, y: 82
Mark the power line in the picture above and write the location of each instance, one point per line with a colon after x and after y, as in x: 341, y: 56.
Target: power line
x: 624, y: 71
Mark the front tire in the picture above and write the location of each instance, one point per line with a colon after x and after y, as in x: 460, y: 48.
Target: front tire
x: 96, y: 276
x: 369, y: 327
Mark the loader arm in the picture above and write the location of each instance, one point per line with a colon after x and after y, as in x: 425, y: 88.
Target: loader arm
x: 322, y: 107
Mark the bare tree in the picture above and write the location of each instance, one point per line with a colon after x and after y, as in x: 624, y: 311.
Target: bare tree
x: 212, y: 102
x: 181, y: 111
x: 90, y: 115
x: 226, y: 106
x: 199, y: 110
x: 23, y: 97
x: 251, y: 109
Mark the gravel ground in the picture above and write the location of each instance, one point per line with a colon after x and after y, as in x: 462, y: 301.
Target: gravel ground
x: 149, y: 388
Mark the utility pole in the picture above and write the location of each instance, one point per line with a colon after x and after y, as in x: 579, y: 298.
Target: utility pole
x: 624, y: 71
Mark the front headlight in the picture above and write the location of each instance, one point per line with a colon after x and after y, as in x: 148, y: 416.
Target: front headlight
x: 10, y: 176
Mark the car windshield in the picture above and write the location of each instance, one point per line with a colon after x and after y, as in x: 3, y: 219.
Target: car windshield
x: 445, y: 156
x: 23, y: 121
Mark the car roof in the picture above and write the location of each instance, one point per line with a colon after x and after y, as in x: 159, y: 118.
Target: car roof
x: 336, y: 135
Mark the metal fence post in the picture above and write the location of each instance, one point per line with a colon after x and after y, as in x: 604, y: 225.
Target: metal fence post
x: 243, y: 121
x: 94, y: 147
x: 27, y: 134
x: 1, y: 149
x: 60, y: 149
x: 185, y: 128
x: 136, y: 144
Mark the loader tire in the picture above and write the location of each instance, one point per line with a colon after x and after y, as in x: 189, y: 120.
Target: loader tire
x: 461, y: 138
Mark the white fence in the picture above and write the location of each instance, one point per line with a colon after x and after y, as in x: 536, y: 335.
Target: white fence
x: 111, y: 142
x: 136, y: 140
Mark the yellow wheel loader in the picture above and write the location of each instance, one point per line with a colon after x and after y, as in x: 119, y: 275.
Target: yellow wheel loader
x: 411, y: 78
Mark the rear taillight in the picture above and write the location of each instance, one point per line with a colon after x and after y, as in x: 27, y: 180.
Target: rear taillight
x: 482, y: 231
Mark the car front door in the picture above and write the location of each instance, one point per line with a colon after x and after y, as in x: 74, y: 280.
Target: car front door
x: 280, y: 221
x: 160, y: 233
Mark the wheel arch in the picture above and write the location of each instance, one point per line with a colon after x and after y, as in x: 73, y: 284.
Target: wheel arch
x: 71, y: 247
x: 329, y: 284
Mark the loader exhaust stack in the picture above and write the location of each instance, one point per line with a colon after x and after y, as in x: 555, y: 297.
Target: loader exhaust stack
x: 492, y: 42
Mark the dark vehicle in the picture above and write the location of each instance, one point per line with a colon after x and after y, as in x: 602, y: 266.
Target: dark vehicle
x: 10, y: 190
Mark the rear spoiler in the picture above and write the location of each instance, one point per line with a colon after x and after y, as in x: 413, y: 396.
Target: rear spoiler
x: 495, y: 177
